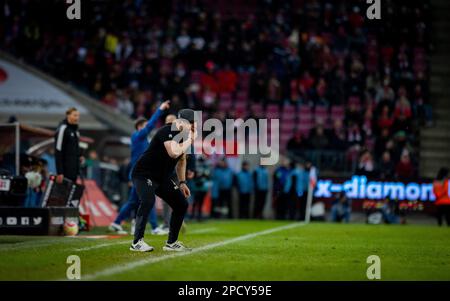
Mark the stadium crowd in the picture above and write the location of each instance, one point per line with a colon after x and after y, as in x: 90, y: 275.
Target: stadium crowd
x: 338, y: 81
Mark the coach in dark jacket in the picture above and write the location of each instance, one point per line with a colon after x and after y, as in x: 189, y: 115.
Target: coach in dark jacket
x: 67, y: 151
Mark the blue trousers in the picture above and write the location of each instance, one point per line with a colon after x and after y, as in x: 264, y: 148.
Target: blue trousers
x: 131, y: 206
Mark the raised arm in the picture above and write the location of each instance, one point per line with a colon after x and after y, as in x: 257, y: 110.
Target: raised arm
x: 181, y: 174
x: 143, y: 134
x: 181, y: 168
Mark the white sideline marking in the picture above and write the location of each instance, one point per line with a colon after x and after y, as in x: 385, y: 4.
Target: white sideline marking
x: 36, y: 243
x: 102, y: 245
x: 150, y: 260
x: 201, y: 231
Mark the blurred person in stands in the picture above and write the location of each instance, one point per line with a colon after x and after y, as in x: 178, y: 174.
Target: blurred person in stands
x: 386, y: 167
x: 366, y: 165
x: 139, y: 143
x: 297, y: 143
x: 385, y: 121
x: 422, y: 106
x: 440, y: 190
x: 244, y: 182
x: 338, y: 136
x: 318, y: 139
x: 67, y: 151
x: 404, y: 169
x: 261, y: 180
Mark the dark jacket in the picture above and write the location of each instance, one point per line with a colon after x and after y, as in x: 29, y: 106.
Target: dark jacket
x: 67, y: 151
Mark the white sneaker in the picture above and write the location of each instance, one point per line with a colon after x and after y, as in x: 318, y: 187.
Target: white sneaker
x: 117, y: 228
x: 176, y: 246
x: 141, y: 246
x: 164, y: 227
x: 160, y: 231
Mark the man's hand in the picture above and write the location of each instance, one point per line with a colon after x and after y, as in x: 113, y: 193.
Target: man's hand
x: 193, y: 134
x: 59, y: 179
x: 82, y: 160
x: 165, y: 105
x: 185, y: 190
x: 190, y: 174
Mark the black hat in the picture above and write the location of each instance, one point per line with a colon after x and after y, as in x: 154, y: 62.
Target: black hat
x: 187, y: 114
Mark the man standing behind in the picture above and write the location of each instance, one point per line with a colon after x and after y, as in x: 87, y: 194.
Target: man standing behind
x: 223, y: 183
x: 67, y: 150
x: 245, y: 187
x: 296, y: 190
x: 152, y: 175
x: 261, y: 178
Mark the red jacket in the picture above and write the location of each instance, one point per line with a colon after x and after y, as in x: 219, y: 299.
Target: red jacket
x: 440, y: 190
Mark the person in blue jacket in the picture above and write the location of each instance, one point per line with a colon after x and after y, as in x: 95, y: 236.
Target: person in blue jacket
x: 139, y: 143
x: 280, y: 176
x: 261, y: 180
x: 244, y: 182
x: 296, y: 190
x: 222, y: 184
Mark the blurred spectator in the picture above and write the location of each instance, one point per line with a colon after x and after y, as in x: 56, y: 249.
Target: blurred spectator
x: 366, y: 165
x: 223, y: 179
x: 386, y: 167
x: 338, y: 136
x: 318, y: 139
x: 440, y: 189
x: 295, y: 188
x: 244, y: 181
x: 261, y: 184
x: 404, y: 170
x: 297, y: 143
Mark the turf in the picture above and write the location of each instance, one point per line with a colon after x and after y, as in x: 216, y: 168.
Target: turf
x: 310, y: 252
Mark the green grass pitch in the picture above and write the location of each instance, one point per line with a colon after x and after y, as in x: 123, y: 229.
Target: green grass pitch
x: 317, y: 251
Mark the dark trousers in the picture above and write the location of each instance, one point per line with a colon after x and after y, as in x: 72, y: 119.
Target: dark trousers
x: 244, y: 205
x: 297, y: 206
x: 443, y: 211
x: 292, y: 200
x: 281, y: 205
x: 199, y: 197
x: 225, y: 200
x: 167, y: 190
x: 260, y: 201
